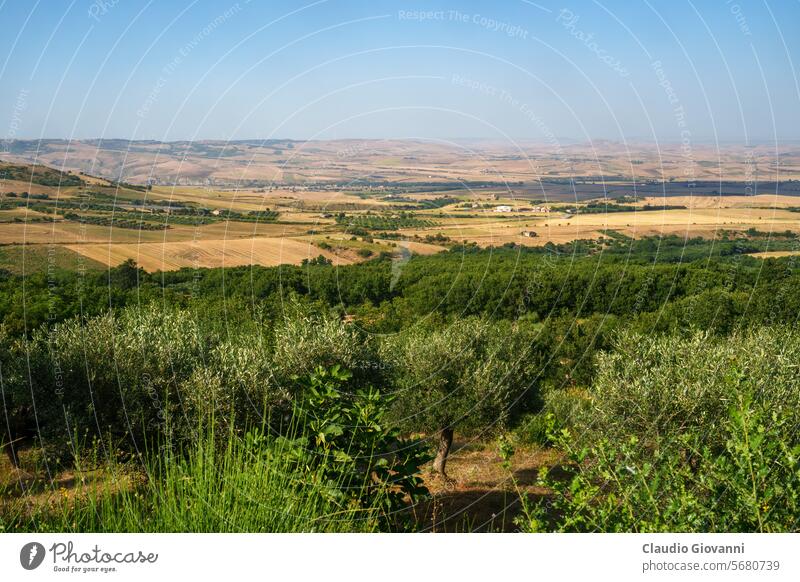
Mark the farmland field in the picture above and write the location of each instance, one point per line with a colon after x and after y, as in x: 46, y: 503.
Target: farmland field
x: 208, y: 253
x: 274, y: 222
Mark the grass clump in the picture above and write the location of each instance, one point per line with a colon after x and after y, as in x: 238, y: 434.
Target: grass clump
x: 331, y: 464
x: 250, y: 485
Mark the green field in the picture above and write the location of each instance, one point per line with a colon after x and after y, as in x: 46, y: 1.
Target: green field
x: 19, y: 259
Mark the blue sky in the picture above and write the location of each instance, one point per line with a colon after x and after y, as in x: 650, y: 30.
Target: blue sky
x: 707, y: 71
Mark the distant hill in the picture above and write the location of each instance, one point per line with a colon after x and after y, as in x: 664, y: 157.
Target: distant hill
x: 37, y: 174
x: 350, y: 162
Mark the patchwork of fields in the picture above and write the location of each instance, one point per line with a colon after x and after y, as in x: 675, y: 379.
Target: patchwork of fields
x: 170, y: 227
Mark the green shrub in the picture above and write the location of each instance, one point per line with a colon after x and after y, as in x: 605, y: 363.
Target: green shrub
x: 116, y: 375
x: 347, y: 441
x: 305, y: 341
x: 658, y: 387
x: 470, y: 372
x: 681, y: 434
x: 751, y: 485
x: 561, y: 408
x: 144, y: 373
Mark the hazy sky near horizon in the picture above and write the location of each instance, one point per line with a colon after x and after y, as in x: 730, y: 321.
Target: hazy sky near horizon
x: 579, y: 70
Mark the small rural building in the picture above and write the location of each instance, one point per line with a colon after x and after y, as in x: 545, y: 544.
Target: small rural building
x: 503, y: 208
x: 529, y: 233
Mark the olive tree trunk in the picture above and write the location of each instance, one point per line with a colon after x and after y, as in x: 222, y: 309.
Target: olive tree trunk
x: 443, y: 449
x: 11, y: 453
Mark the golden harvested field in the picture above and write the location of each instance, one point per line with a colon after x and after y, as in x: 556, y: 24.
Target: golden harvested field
x: 59, y: 233
x: 419, y: 248
x: 20, y: 213
x: 19, y: 186
x: 230, y: 229
x: 321, y: 198
x: 222, y: 199
x: 760, y: 200
x: 766, y: 219
x: 22, y: 260
x: 67, y: 232
x: 229, y: 243
x: 699, y: 220
x: 775, y: 254
x: 249, y: 200
x: 209, y: 253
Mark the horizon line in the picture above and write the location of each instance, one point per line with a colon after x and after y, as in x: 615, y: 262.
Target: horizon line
x: 566, y: 140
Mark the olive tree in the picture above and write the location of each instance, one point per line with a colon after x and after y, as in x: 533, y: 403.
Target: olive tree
x: 472, y: 374
x: 657, y: 388
x: 306, y: 340
x: 119, y: 375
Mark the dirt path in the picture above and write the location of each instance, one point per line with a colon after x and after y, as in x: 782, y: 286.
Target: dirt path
x: 483, y: 496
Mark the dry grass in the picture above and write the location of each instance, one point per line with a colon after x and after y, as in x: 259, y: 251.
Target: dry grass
x: 289, y: 241
x: 719, y: 217
x: 210, y: 253
x: 246, y: 200
x: 228, y: 243
x: 481, y: 497
x: 761, y: 200
x: 704, y: 221
x: 19, y: 186
x: 226, y: 200
x: 36, y: 487
x: 419, y: 248
x: 68, y: 232
x: 27, y: 259
x: 774, y: 254
x: 22, y: 212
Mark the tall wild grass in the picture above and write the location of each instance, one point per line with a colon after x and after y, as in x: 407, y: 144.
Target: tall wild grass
x: 250, y: 484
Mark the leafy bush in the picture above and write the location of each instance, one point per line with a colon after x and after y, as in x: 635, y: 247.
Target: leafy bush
x: 682, y: 434
x: 560, y: 409
x: 115, y: 374
x: 146, y: 372
x: 751, y: 485
x: 305, y: 340
x: 659, y: 387
x: 335, y: 465
x: 348, y: 443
